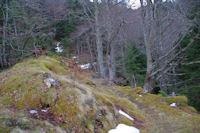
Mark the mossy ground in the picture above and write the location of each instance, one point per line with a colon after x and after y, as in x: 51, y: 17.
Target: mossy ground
x: 84, y: 105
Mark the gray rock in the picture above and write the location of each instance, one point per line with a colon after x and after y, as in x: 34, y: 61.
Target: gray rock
x: 50, y: 81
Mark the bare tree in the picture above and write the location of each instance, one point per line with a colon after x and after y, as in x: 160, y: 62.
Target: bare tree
x: 5, y: 24
x: 99, y: 42
x: 163, y: 30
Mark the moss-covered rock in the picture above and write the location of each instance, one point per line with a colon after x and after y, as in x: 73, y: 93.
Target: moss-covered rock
x: 81, y: 104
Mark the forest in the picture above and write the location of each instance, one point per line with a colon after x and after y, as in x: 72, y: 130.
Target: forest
x: 151, y: 46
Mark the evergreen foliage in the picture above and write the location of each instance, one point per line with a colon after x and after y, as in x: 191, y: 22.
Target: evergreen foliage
x: 64, y: 28
x: 190, y: 68
x: 135, y: 63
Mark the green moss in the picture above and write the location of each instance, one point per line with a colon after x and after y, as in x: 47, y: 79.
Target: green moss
x: 130, y: 108
x: 126, y: 121
x: 106, y: 99
x: 90, y: 126
x: 192, y: 109
x: 49, y: 97
x: 24, y: 85
x: 151, y: 99
x: 29, y: 99
x: 129, y: 90
x: 53, y: 66
x: 168, y: 110
x: 22, y: 88
x: 46, y: 64
x: 67, y: 106
x: 4, y: 129
x: 7, y: 100
x: 89, y: 82
x: 85, y: 80
x: 179, y: 100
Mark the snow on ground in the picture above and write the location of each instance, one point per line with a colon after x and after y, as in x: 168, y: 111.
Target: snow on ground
x: 74, y: 57
x: 44, y: 110
x: 122, y: 128
x: 58, y: 44
x: 126, y: 115
x: 85, y: 66
x: 58, y: 48
x: 173, y: 105
x: 33, y: 112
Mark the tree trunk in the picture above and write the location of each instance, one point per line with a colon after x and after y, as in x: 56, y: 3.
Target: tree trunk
x: 133, y: 81
x: 1, y: 61
x: 148, y: 78
x: 91, y: 54
x: 111, y: 63
x: 99, y: 42
x: 4, y: 34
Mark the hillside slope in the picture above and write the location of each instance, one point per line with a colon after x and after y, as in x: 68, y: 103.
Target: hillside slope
x: 71, y: 102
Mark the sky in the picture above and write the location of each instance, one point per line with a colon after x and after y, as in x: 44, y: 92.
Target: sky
x: 134, y: 4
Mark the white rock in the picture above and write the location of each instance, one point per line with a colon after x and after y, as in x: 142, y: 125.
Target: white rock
x: 173, y: 105
x: 44, y: 110
x: 33, y: 112
x: 126, y: 115
x: 122, y: 128
x: 48, y: 84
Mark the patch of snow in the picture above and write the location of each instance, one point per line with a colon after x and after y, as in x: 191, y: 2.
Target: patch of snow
x: 126, y: 115
x: 94, y: 63
x: 33, y: 112
x: 122, y: 128
x: 173, y: 105
x: 74, y: 57
x: 140, y: 95
x: 59, y: 49
x: 85, y: 66
x: 44, y: 110
x: 57, y: 44
x: 51, y: 80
